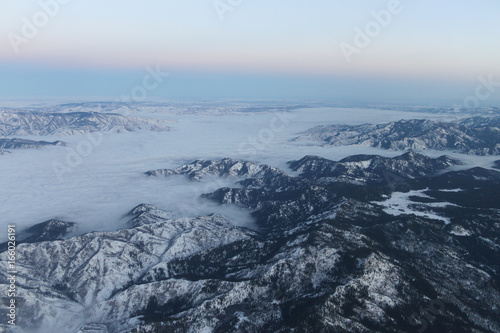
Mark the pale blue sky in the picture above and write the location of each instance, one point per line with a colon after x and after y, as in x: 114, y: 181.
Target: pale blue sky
x: 278, y: 48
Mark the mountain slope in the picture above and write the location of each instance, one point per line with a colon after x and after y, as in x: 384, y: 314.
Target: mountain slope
x: 330, y: 255
x: 22, y: 143
x: 227, y: 168
x: 477, y: 135
x: 33, y: 123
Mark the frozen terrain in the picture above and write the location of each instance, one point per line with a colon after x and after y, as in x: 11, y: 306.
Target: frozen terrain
x: 239, y: 227
x: 104, y: 170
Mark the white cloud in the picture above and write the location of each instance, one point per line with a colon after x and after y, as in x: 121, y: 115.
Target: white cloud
x: 110, y: 181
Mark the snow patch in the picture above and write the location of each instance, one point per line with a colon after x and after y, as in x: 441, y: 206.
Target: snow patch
x: 460, y: 231
x: 400, y: 204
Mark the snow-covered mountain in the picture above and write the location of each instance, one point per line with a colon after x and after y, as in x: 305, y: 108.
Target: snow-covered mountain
x: 23, y: 143
x: 46, y: 231
x: 476, y: 135
x: 37, y: 123
x: 372, y: 168
x: 97, y: 269
x: 227, y: 168
x: 415, y: 250
x: 164, y: 107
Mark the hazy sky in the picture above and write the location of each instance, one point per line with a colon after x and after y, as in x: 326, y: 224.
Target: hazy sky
x: 427, y: 51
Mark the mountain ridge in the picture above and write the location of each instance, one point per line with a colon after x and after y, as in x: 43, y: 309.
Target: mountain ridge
x: 474, y: 135
x: 330, y: 254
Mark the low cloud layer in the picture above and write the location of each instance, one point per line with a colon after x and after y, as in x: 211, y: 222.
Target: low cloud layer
x: 97, y: 189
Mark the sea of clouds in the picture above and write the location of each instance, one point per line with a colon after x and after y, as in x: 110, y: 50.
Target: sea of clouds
x: 105, y: 184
